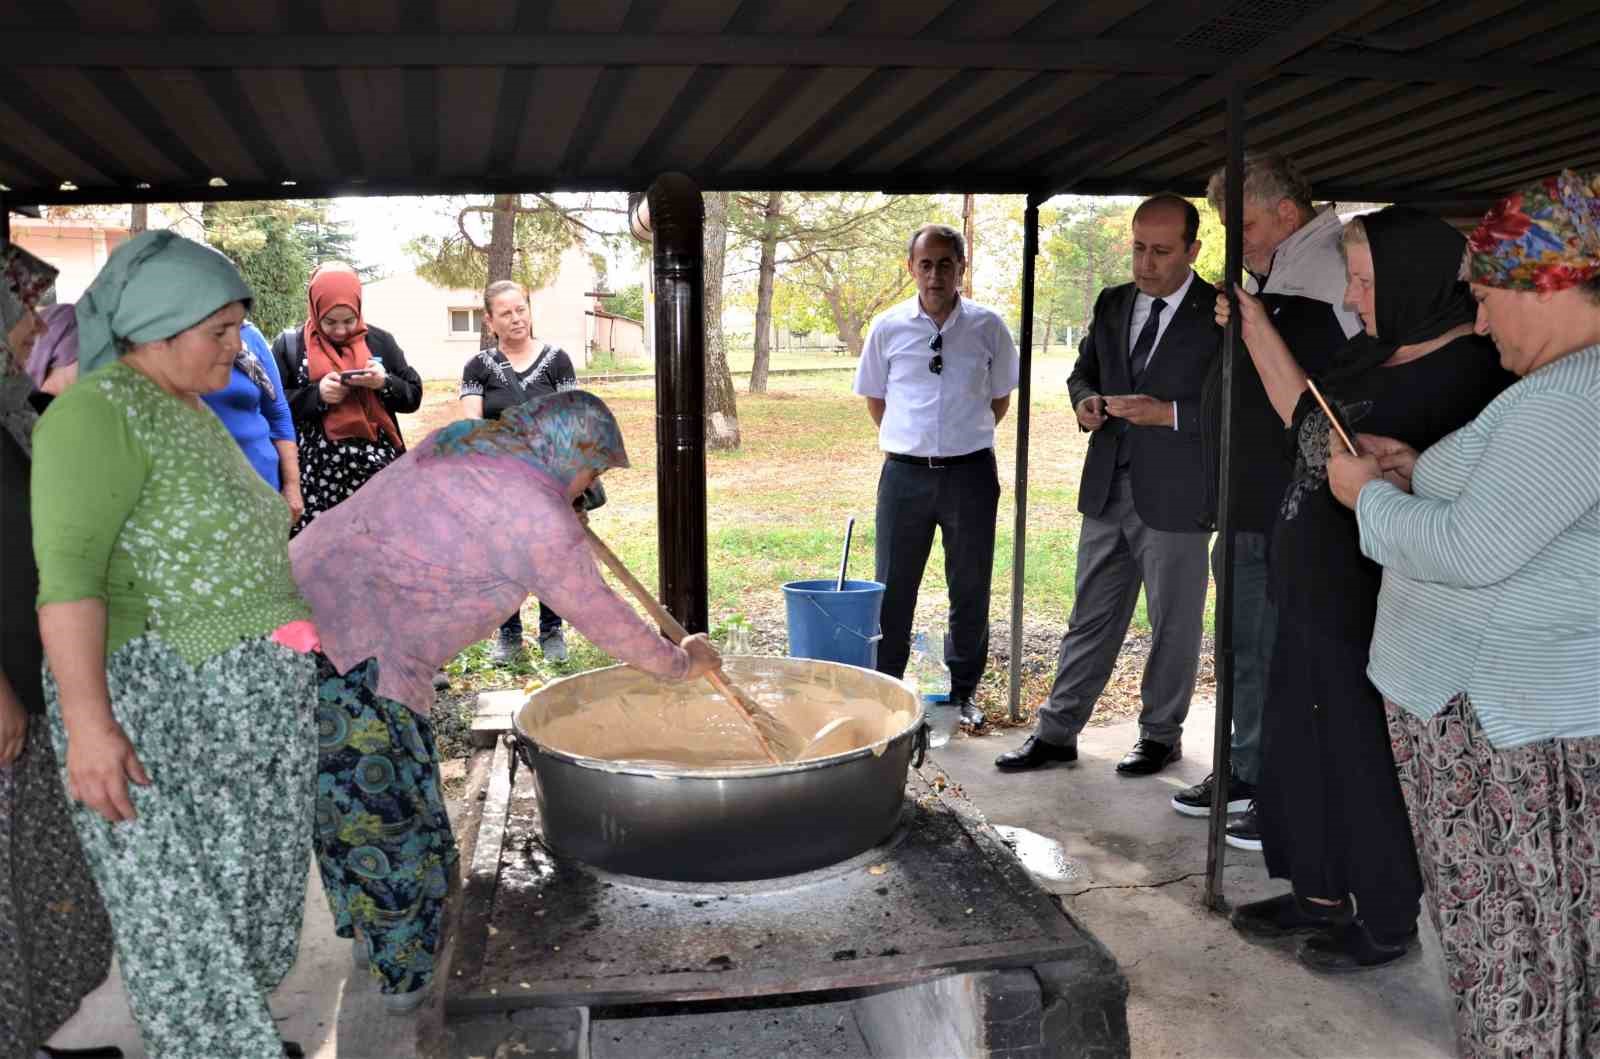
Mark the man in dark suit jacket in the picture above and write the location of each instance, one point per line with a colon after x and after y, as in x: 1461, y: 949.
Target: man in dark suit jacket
x: 1143, y: 494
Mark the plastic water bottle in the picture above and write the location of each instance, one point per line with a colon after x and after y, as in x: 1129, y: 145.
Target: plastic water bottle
x: 932, y: 678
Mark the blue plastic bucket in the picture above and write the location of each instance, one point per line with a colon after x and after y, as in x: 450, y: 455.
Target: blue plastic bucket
x: 835, y: 626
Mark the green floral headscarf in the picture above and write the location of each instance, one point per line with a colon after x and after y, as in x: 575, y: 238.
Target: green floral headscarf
x: 154, y: 286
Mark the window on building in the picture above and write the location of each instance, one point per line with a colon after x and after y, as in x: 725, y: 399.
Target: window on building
x: 466, y: 321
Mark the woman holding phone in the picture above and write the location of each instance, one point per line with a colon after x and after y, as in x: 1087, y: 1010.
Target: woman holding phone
x: 346, y: 381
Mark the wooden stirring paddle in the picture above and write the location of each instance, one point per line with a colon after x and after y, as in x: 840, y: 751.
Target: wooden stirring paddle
x: 777, y: 740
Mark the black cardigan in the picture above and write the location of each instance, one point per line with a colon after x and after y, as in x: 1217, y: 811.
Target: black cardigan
x: 401, y: 393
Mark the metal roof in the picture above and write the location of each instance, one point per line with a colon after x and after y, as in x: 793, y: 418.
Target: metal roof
x: 1443, y: 103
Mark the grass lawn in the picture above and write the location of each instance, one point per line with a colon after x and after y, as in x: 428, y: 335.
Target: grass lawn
x: 777, y: 507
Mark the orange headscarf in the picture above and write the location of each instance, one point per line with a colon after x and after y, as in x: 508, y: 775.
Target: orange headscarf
x: 361, y: 414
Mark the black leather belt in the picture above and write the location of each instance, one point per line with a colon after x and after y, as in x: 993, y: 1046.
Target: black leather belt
x: 938, y: 461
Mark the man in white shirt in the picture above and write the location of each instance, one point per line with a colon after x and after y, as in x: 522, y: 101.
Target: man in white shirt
x: 937, y: 372
x: 1137, y: 387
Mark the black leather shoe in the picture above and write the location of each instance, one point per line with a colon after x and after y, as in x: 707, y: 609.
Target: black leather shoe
x: 1149, y: 757
x: 971, y: 716
x: 1035, y: 753
x: 1287, y: 914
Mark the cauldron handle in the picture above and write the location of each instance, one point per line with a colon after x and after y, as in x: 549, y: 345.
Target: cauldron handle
x: 919, y: 745
x: 521, y: 749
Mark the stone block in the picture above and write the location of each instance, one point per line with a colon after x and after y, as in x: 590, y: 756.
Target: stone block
x: 493, y: 715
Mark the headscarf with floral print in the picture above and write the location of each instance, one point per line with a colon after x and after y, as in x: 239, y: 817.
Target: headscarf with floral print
x: 24, y: 280
x: 1544, y: 237
x: 562, y: 434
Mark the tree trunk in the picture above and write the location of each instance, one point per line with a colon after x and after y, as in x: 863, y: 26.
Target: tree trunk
x: 139, y: 220
x: 768, y: 270
x: 969, y: 232
x: 849, y: 325
x: 502, y: 251
x: 1049, y: 318
x: 722, y: 413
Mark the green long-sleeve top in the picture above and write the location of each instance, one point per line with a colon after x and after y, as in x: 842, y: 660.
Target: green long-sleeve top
x: 146, y: 504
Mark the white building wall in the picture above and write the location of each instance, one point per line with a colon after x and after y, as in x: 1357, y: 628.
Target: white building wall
x: 419, y: 316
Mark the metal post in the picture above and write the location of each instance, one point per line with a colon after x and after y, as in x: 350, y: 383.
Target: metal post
x: 1019, y: 532
x: 1222, y: 744
x: 675, y: 219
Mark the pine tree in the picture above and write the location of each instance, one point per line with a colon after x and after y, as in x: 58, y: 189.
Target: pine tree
x: 260, y: 239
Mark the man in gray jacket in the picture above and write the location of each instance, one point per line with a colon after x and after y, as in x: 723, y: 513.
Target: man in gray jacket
x: 1291, y: 252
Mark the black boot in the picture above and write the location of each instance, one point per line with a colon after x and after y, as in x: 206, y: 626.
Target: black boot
x: 1352, y: 947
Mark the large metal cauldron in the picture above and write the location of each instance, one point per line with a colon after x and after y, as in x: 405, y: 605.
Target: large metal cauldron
x: 720, y: 824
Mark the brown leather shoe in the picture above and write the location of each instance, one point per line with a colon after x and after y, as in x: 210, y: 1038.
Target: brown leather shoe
x: 1149, y: 757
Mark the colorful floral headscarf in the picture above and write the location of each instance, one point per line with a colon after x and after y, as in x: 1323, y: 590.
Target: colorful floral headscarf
x: 562, y: 434
x: 24, y: 280
x: 1544, y: 237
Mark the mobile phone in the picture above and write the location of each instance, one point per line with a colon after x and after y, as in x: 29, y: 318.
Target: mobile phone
x: 346, y: 376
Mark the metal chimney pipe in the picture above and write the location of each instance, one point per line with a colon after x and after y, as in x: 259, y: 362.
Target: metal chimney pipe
x: 672, y: 214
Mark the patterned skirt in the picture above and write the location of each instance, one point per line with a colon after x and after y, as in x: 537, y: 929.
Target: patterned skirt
x: 207, y: 885
x: 54, y: 933
x: 332, y: 470
x: 1509, y: 842
x: 384, y: 844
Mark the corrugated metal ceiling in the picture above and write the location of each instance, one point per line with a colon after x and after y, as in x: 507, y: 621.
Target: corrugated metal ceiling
x: 1406, y: 100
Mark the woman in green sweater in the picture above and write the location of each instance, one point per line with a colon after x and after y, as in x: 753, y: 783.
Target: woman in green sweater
x: 180, y: 698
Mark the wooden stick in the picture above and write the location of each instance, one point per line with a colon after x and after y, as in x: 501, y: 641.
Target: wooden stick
x: 678, y: 633
x: 1327, y: 411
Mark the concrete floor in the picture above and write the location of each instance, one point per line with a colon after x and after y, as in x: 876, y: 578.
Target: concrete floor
x: 1132, y: 876
x: 1135, y: 878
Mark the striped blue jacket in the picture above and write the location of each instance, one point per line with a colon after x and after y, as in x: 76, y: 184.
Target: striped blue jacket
x: 1491, y: 582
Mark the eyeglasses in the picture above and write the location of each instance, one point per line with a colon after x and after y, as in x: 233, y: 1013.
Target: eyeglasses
x: 936, y: 343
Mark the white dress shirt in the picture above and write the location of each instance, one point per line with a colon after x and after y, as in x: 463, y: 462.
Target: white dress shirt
x: 948, y: 414
x: 1142, y: 304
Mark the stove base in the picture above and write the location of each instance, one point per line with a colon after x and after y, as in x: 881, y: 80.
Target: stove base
x: 1029, y: 1013
x: 938, y: 943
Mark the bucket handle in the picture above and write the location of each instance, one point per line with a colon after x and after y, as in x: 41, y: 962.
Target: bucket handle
x: 919, y: 745
x: 840, y: 625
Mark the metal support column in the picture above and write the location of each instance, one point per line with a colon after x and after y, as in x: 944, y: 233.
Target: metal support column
x: 1019, y: 533
x: 1222, y: 743
x: 672, y: 214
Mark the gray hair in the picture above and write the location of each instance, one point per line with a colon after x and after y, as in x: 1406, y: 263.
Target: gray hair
x: 1268, y: 179
x: 1354, y: 234
x: 938, y: 231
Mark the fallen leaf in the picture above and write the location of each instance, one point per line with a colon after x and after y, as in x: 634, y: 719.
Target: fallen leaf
x: 878, y: 869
